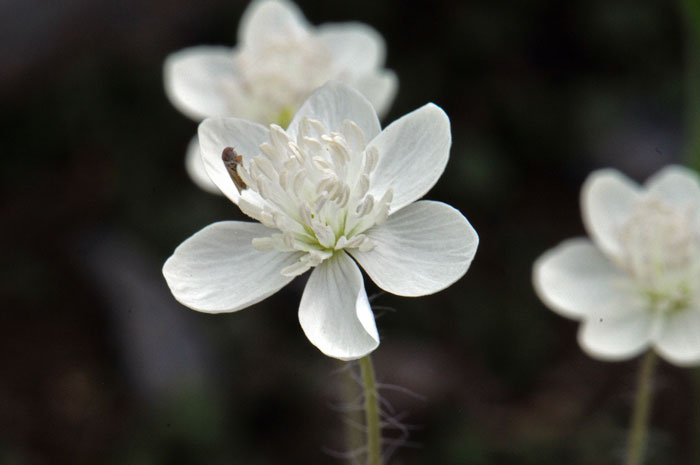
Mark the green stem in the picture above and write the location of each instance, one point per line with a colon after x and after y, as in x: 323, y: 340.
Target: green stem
x: 374, y: 433
x: 351, y: 392
x: 642, y: 406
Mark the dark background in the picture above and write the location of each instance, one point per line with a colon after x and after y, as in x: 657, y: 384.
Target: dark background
x: 100, y: 365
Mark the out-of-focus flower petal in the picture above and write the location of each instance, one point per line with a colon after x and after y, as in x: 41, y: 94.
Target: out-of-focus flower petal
x: 268, y: 20
x: 617, y: 335
x: 195, y: 168
x: 676, y: 185
x: 195, y: 78
x: 380, y: 89
x: 607, y: 199
x: 575, y: 279
x: 679, y: 339
x: 356, y: 47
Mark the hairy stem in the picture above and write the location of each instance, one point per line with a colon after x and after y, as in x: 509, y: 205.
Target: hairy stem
x: 352, y: 391
x: 374, y: 433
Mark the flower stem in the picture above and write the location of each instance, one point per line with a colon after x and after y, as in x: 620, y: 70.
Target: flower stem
x: 642, y: 406
x: 351, y: 392
x: 374, y: 433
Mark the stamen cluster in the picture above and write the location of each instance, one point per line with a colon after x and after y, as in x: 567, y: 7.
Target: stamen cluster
x: 315, y: 191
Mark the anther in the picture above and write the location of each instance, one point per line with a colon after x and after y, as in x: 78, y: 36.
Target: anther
x: 278, y: 137
x: 353, y: 135
x: 371, y: 159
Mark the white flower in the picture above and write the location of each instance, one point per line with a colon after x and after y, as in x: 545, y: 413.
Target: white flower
x: 332, y: 186
x: 636, y: 285
x: 280, y: 59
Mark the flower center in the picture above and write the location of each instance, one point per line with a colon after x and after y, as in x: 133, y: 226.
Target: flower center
x: 315, y: 191
x: 661, y: 249
x: 277, y: 76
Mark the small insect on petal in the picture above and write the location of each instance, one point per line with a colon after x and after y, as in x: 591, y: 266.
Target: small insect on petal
x: 232, y: 160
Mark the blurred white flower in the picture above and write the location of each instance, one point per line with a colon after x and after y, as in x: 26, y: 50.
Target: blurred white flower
x: 330, y: 187
x: 280, y: 59
x: 636, y: 285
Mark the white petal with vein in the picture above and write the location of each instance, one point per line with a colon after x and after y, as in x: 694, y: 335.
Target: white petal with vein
x: 419, y: 250
x: 218, y: 270
x: 413, y: 153
x: 335, y: 313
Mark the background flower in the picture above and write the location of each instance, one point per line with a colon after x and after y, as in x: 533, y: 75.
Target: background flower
x: 329, y: 187
x: 279, y: 60
x: 636, y: 284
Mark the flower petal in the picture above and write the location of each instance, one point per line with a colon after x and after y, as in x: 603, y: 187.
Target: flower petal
x: 335, y: 313
x: 419, y: 250
x: 356, y: 47
x: 607, y: 199
x: 194, y: 78
x: 613, y: 336
x: 413, y: 152
x: 215, y: 134
x: 679, y: 339
x: 676, y: 185
x: 332, y: 104
x: 270, y: 20
x: 575, y: 279
x: 218, y: 270
x: 195, y: 168
x: 380, y: 89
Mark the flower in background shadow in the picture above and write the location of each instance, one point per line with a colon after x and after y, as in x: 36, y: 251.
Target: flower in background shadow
x: 280, y: 59
x: 330, y: 187
x: 636, y: 284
